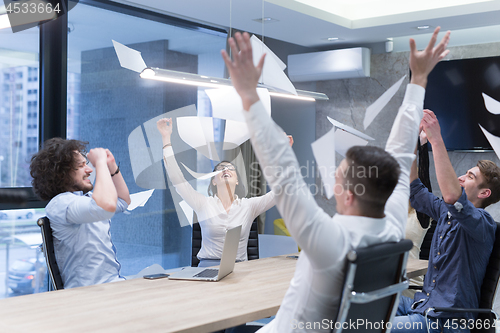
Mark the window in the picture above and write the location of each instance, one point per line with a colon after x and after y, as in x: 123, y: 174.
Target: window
x: 14, y: 161
x: 103, y: 105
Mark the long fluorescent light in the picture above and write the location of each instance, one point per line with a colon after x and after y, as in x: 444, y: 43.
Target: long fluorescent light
x: 166, y: 75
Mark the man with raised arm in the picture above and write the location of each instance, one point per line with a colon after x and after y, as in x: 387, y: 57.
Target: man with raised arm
x: 363, y: 218
x: 79, y: 218
x: 462, y: 242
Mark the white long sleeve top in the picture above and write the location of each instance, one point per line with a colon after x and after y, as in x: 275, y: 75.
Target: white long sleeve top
x: 313, y: 297
x: 213, y: 218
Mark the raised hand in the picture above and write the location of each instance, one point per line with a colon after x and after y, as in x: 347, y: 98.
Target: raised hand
x: 430, y: 125
x: 97, y: 155
x: 244, y: 74
x: 164, y: 126
x: 422, y: 62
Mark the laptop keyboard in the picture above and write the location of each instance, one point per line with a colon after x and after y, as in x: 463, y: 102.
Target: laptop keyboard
x: 208, y: 273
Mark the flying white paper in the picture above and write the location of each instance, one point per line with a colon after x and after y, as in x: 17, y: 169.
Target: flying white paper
x: 226, y: 103
x: 272, y: 73
x: 235, y: 134
x: 199, y: 175
x: 129, y: 58
x: 373, y: 110
x: 493, y: 140
x: 198, y: 132
x: 188, y: 211
x: 324, y: 153
x: 349, y: 129
x: 139, y: 199
x: 345, y: 140
x: 491, y: 104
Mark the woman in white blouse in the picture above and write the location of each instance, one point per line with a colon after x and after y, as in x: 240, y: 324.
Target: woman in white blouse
x: 223, y: 209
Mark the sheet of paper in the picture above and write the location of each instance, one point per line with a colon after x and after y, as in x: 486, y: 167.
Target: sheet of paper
x: 129, y: 58
x: 259, y: 48
x: 373, y: 110
x: 492, y: 105
x: 272, y: 73
x: 493, y: 140
x: 235, y: 134
x: 198, y: 132
x: 139, y: 199
x: 226, y: 103
x: 349, y: 129
x: 324, y: 153
x: 188, y: 211
x: 199, y: 175
x: 345, y: 140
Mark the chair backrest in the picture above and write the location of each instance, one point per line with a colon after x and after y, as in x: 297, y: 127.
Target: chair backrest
x: 50, y: 256
x: 374, y: 279
x: 425, y: 247
x: 252, y: 246
x: 490, y: 281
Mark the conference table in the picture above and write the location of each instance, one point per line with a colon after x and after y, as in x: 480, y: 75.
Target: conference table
x: 253, y: 291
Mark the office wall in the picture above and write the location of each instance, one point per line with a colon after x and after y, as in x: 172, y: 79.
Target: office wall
x: 349, y: 99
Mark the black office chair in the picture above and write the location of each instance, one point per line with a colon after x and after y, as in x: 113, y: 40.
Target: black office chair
x: 50, y: 256
x: 374, y: 279
x: 488, y: 289
x: 252, y: 247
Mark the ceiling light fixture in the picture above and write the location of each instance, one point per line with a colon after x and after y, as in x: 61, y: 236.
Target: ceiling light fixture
x: 331, y: 39
x: 4, y: 22
x: 423, y: 27
x: 265, y: 20
x: 166, y: 75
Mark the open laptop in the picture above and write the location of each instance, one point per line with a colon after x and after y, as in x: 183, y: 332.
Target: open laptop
x: 226, y: 262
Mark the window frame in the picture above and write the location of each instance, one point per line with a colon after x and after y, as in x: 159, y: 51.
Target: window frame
x: 53, y: 73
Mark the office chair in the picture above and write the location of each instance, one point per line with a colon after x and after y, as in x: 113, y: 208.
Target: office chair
x: 374, y: 279
x: 488, y: 289
x: 252, y: 247
x: 50, y: 256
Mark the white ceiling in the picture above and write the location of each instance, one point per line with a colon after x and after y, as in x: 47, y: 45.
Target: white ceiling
x: 355, y: 22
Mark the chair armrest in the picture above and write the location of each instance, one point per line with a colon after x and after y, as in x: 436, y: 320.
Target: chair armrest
x: 461, y: 310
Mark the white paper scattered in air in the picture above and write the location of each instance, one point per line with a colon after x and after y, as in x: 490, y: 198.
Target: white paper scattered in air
x: 188, y: 211
x: 235, y: 134
x: 349, y: 129
x: 199, y: 175
x: 226, y: 103
x: 493, y: 140
x: 198, y: 132
x: 373, y: 110
x: 491, y: 104
x: 345, y: 140
x: 272, y: 73
x: 139, y: 199
x: 324, y: 153
x: 129, y: 58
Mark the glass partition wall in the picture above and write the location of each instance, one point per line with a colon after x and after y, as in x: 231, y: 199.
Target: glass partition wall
x: 104, y: 105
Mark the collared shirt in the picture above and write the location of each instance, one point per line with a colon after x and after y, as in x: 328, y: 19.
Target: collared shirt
x: 316, y: 288
x: 84, y: 251
x: 460, y: 251
x: 213, y: 218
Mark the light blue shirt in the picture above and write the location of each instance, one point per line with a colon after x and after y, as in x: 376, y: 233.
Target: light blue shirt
x: 84, y: 251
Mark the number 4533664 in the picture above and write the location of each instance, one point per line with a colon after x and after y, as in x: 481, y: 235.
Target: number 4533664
x: 32, y: 8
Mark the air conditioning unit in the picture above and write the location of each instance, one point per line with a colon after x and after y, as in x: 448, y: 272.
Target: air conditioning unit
x: 329, y: 65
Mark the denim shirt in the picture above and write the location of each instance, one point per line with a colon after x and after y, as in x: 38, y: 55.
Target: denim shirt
x: 460, y: 251
x: 83, y: 248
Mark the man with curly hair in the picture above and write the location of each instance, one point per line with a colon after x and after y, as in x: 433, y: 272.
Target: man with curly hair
x: 80, y: 217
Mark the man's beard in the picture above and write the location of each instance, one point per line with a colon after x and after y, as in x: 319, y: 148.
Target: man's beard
x: 83, y: 187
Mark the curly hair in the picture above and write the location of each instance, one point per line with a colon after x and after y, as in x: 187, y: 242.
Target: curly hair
x: 51, y: 167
